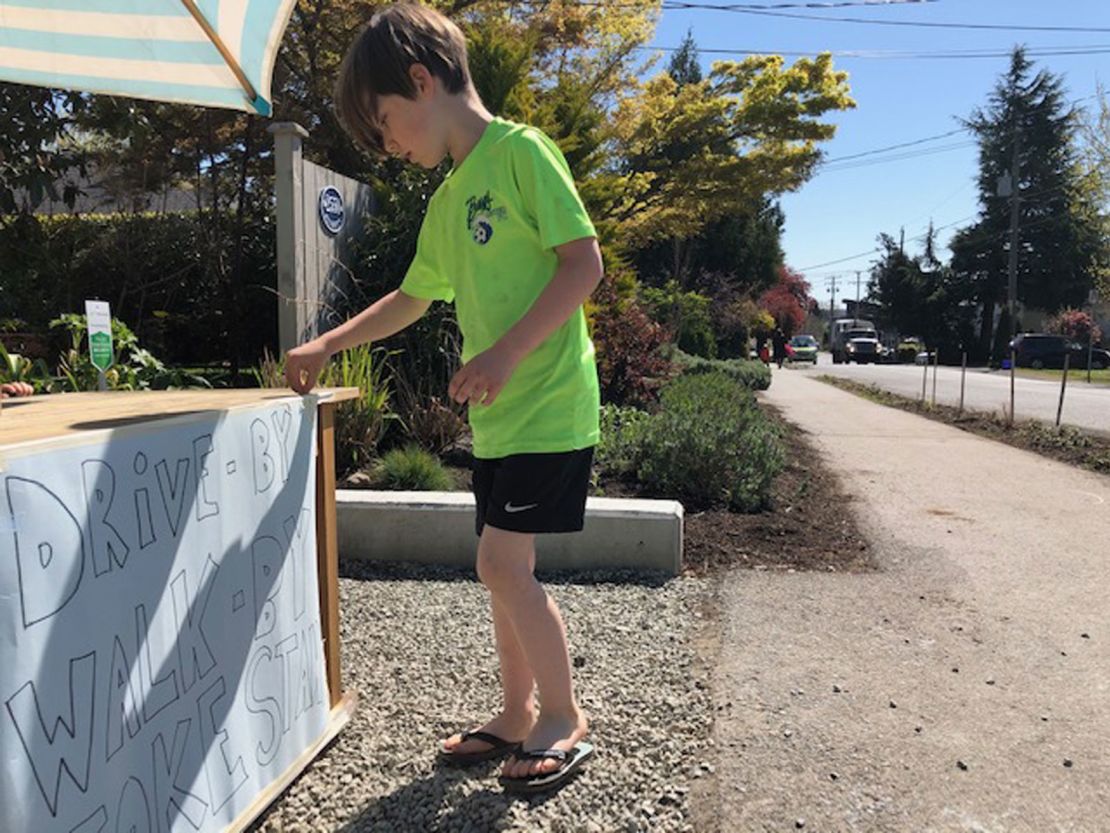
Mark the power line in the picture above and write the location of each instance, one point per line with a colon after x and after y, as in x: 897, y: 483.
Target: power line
x: 898, y: 157
x: 891, y: 55
x: 897, y: 147
x: 834, y: 4
x: 770, y: 10
x: 914, y: 142
x: 678, y: 4
x: 981, y: 238
x: 997, y: 27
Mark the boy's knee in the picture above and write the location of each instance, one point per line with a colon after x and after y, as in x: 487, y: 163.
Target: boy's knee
x: 502, y: 564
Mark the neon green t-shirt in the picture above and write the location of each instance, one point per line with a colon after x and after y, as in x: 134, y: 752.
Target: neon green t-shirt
x: 487, y: 243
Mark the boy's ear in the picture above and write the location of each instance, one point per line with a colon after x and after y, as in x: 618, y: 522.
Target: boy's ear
x: 422, y: 79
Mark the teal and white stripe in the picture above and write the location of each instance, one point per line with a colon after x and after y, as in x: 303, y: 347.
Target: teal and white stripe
x: 144, y: 48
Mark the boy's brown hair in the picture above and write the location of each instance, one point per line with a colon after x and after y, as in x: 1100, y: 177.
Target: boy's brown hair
x: 379, y: 60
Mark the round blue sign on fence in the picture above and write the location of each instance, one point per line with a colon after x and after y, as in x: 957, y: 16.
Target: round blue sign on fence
x: 331, y: 209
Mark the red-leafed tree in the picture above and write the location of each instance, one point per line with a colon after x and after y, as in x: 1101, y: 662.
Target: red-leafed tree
x: 1075, y: 324
x: 630, y: 365
x: 787, y: 301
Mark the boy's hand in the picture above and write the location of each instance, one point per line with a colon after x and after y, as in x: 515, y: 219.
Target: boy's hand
x: 481, y: 379
x: 303, y: 365
x: 16, y: 389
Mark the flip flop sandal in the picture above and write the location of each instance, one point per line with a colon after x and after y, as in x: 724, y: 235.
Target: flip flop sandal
x: 569, y: 763
x: 499, y: 748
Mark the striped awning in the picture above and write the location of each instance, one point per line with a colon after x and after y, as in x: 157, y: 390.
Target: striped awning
x: 218, y: 53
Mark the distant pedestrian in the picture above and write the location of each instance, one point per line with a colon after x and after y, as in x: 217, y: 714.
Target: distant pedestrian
x: 778, y: 340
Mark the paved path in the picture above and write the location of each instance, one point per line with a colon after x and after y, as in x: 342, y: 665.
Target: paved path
x: 983, y: 642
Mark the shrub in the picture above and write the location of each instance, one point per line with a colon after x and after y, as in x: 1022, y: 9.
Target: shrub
x: 360, y: 422
x: 426, y: 415
x: 688, y: 315
x: 630, y: 364
x: 1074, y: 324
x: 617, y: 451
x: 754, y: 375
x: 411, y: 469
x: 710, y: 445
x: 133, y: 367
x: 1041, y: 435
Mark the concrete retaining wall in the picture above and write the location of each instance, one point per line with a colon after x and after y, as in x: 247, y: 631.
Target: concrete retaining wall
x: 438, y: 528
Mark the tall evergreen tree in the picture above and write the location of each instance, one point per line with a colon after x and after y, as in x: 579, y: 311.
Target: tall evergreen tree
x: 916, y: 294
x: 684, y: 67
x: 1028, y: 120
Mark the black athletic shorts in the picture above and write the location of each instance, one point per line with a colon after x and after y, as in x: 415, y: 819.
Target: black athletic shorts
x: 533, y: 492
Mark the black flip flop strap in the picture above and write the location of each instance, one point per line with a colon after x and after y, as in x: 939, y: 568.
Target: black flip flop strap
x: 560, y: 755
x: 485, y: 737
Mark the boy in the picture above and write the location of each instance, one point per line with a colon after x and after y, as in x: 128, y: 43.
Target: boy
x: 507, y: 239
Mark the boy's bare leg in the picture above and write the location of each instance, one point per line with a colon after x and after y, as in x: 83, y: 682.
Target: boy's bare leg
x: 505, y: 564
x: 518, y: 713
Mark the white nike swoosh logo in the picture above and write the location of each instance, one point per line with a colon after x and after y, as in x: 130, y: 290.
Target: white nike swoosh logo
x: 510, y: 508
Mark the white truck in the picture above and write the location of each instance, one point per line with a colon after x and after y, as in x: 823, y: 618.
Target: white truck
x: 854, y: 340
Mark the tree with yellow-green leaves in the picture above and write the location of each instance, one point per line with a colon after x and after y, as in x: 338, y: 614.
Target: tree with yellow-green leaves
x: 694, y: 153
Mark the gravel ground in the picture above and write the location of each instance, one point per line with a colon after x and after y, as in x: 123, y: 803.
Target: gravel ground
x: 418, y: 649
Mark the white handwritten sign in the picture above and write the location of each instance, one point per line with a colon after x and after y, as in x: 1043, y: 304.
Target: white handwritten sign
x: 160, y: 651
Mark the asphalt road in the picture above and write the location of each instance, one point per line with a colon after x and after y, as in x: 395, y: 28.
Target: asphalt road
x: 1085, y: 406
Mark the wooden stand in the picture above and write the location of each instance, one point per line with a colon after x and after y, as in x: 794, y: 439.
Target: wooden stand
x: 62, y: 417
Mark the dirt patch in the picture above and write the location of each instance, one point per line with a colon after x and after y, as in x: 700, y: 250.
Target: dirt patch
x: 1065, y: 444
x: 810, y: 525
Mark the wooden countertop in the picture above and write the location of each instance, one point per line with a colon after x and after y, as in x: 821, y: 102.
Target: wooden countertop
x: 35, y: 418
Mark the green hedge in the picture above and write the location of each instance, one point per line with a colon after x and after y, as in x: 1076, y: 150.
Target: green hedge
x: 170, y: 277
x: 708, y: 445
x: 752, y: 374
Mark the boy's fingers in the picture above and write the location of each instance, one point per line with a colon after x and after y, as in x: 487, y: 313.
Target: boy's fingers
x: 464, y: 392
x: 461, y: 386
x: 453, y: 385
x: 297, y: 375
x: 492, y: 394
x: 472, y: 390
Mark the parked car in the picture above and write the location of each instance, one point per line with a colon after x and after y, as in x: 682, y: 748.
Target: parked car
x: 803, y: 348
x: 1039, y: 350
x: 908, y: 348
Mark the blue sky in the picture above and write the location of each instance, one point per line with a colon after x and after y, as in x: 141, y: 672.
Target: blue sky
x: 839, y: 213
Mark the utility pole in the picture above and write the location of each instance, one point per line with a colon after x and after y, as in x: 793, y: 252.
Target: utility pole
x: 857, y: 295
x: 1015, y: 219
x: 832, y: 300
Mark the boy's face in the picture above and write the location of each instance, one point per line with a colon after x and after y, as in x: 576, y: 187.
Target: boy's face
x: 410, y: 127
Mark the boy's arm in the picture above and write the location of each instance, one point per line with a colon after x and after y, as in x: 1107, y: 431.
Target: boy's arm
x: 580, y: 270
x: 388, y: 315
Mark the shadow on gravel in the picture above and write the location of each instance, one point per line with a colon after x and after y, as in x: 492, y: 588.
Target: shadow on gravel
x: 433, y: 803
x: 404, y: 571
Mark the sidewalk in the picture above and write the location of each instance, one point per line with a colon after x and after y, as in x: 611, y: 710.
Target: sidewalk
x: 947, y: 690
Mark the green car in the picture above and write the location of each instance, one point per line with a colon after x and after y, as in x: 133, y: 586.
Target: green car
x: 803, y: 348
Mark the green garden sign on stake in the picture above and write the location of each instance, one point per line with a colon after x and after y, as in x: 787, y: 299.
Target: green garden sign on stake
x: 99, y: 318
